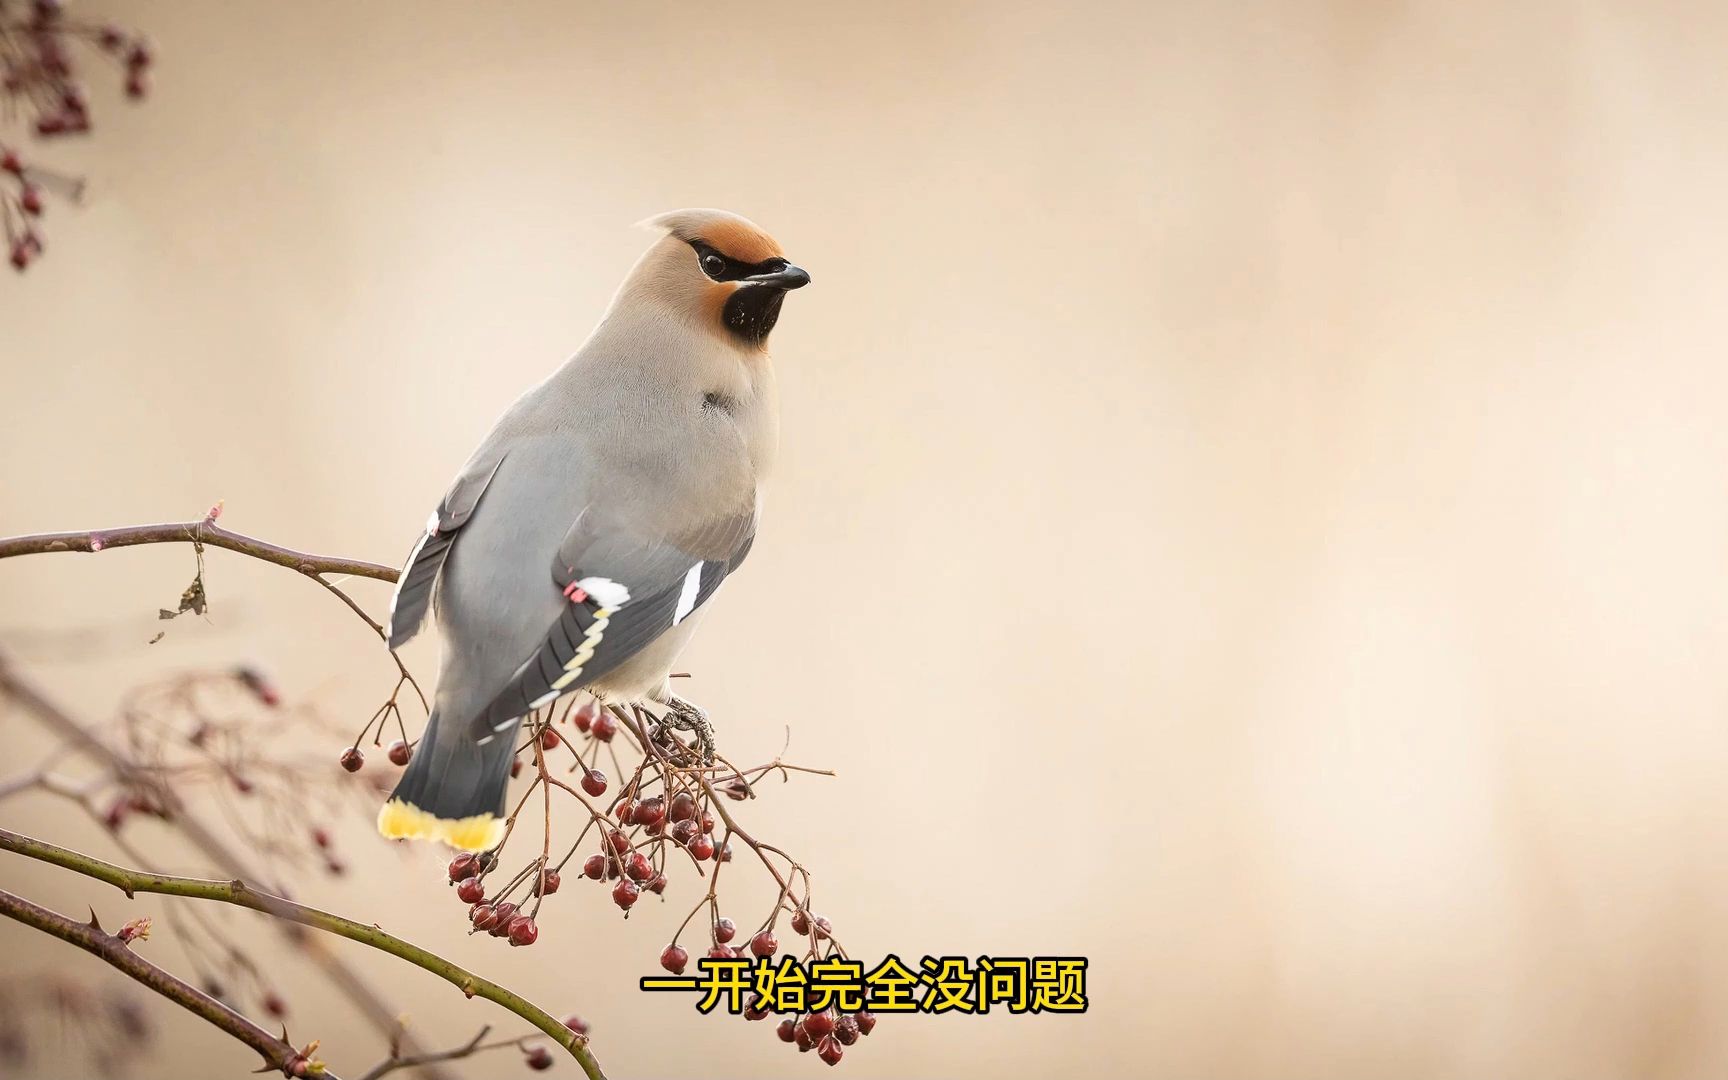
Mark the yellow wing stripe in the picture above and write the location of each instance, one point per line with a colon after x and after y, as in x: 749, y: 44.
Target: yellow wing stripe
x: 585, y: 651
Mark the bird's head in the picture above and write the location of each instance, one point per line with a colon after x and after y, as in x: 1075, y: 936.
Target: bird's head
x: 720, y: 271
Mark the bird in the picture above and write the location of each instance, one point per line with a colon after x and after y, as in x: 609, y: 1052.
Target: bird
x: 579, y: 545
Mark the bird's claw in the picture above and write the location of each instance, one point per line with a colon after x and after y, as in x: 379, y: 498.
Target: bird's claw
x: 681, y: 715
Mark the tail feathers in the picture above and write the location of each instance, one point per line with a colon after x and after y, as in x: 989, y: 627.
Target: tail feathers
x: 453, y: 790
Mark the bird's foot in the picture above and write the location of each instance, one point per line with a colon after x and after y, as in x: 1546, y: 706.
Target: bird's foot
x: 683, y: 716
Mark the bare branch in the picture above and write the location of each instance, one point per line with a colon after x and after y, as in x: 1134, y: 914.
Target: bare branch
x: 190, y: 532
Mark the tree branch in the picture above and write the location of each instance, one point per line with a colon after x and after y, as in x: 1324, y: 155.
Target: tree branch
x: 277, y: 1053
x: 189, y: 532
x: 242, y: 895
x: 123, y: 768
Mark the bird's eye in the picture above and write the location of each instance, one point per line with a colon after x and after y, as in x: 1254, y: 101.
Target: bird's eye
x: 713, y: 265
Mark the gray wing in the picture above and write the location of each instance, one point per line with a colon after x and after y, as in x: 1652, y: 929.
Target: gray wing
x: 413, y: 595
x: 625, y: 583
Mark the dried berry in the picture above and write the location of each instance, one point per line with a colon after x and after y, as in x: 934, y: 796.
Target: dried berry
x: 866, y: 1022
x: 523, y: 931
x: 702, y: 847
x: 725, y: 930
x: 800, y: 922
x: 471, y: 890
x: 576, y: 1023
x: 846, y: 1029
x: 764, y: 943
x: 352, y: 759
x: 604, y: 727
x: 625, y: 893
x: 683, y: 807
x: 501, y: 916
x: 465, y: 865
x: 483, y: 916
x: 820, y: 1023
x: 595, y: 867
x: 785, y: 1030
x: 399, y: 752
x: 547, y: 883
x: 673, y: 958
x: 829, y: 1051
x: 594, y: 783
x: 548, y: 739
x: 637, y: 867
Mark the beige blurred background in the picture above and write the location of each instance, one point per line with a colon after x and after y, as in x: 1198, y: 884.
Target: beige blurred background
x: 1252, y: 507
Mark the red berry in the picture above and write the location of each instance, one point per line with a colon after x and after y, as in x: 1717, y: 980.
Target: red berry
x: 483, y: 916
x: 829, y: 1050
x: 806, y: 1042
x: 51, y: 125
x: 540, y: 1059
x: 321, y: 837
x: 242, y: 785
x: 471, y: 891
x: 576, y: 1023
x: 757, y: 1009
x: 650, y: 811
x: 866, y: 1022
x: 502, y: 914
x: 111, y: 38
x: 800, y: 922
x: 274, y: 1005
x: 595, y: 867
x: 117, y: 812
x: 137, y: 85
x: 585, y: 715
x: 725, y: 930
x: 764, y: 943
x: 823, y: 929
x: 352, y: 759
x: 820, y: 1023
x: 846, y: 1029
x: 31, y: 199
x: 657, y: 884
x: 548, y: 739
x: 637, y: 867
x: 515, y: 768
x: 548, y: 882
x: 723, y: 952
x: 673, y: 958
x: 138, y: 56
x: 702, y: 847
x: 594, y: 782
x: 604, y: 727
x: 683, y: 807
x: 465, y: 865
x: 785, y: 1030
x: 707, y: 821
x: 625, y: 893
x: 620, y: 843
x: 736, y: 790
x: 399, y: 752
x: 723, y: 853
x: 12, y: 163
x: 523, y: 931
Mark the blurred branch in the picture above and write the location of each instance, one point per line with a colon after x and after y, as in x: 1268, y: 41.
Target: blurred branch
x: 114, y: 948
x: 192, y: 532
x: 468, y: 1049
x: 240, y: 894
x: 122, y: 767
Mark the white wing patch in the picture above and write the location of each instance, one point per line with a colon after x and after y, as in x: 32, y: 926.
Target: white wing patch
x: 606, y: 592
x: 687, y: 596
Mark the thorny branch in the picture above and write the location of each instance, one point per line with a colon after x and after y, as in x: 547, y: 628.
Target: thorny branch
x: 116, y: 950
x: 240, y: 894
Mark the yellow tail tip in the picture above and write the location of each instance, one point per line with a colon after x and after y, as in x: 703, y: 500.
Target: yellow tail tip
x: 403, y: 821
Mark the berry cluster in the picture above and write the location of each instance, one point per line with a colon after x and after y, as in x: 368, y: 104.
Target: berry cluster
x: 38, y: 78
x: 668, y: 812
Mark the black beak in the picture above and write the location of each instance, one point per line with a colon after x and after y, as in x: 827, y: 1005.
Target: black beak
x: 787, y: 277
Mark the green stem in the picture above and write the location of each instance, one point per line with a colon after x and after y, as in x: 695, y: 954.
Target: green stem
x: 240, y: 894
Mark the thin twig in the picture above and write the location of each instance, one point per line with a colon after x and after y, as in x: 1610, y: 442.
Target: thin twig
x: 190, y: 532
